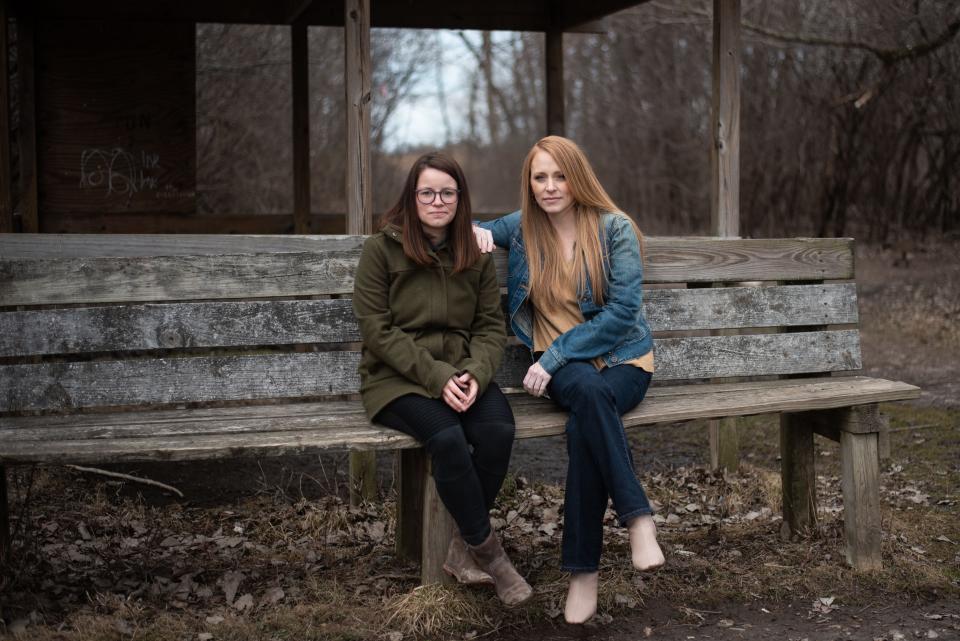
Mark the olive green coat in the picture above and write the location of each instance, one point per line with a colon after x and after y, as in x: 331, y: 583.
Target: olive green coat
x: 422, y: 324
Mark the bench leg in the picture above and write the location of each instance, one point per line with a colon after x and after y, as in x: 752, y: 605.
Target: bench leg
x: 861, y: 499
x: 4, y: 519
x: 858, y: 430
x: 724, y: 444
x: 798, y: 474
x: 423, y: 523
x: 413, y: 474
x: 437, y: 529
x: 363, y: 477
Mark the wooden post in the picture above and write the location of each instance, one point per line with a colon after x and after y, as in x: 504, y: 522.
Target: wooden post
x: 357, y: 73
x: 861, y: 499
x: 357, y: 77
x: 300, y: 79
x: 4, y: 519
x: 29, y: 209
x: 437, y: 527
x: 725, y: 177
x: 725, y: 120
x: 798, y: 473
x: 6, y: 185
x: 556, y: 122
x: 414, y: 469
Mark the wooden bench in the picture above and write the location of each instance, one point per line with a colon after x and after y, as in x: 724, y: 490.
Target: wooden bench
x: 146, y: 348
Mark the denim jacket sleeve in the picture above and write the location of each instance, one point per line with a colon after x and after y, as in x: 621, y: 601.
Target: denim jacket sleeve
x: 503, y: 229
x: 623, y: 304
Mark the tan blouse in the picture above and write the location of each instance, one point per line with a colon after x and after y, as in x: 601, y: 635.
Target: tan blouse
x: 550, y: 323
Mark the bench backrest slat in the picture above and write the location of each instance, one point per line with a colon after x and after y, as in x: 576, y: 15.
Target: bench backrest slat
x: 119, y: 321
x: 286, y: 322
x: 59, y: 386
x: 329, y: 269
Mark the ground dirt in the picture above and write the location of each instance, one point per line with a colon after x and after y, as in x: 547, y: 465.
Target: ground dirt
x: 269, y: 549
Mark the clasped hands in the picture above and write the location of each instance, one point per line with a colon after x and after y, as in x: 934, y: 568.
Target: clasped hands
x: 461, y: 391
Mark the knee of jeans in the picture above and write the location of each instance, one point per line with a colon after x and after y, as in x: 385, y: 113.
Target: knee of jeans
x: 588, y: 390
x: 449, y: 452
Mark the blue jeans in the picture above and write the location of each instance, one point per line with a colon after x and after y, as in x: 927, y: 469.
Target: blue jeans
x: 600, y: 463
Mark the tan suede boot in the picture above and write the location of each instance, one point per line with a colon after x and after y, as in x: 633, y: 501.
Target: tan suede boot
x: 490, y: 556
x: 461, y: 566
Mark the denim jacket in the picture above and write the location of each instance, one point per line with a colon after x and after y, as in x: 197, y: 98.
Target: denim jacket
x: 616, y: 331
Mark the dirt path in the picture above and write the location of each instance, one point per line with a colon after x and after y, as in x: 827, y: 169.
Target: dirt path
x: 754, y: 622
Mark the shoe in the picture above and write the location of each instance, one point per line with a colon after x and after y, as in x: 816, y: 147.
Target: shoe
x: 461, y: 566
x: 490, y: 556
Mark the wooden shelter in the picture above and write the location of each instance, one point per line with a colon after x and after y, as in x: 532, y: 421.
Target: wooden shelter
x: 105, y: 96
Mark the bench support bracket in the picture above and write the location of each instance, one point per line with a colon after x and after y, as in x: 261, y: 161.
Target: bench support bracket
x: 423, y: 524
x: 4, y: 519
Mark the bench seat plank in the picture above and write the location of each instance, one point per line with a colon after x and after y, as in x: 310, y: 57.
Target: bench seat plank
x: 287, y: 429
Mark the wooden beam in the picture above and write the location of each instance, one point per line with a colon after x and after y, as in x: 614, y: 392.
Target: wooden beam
x: 6, y: 183
x: 4, y: 520
x: 357, y: 79
x: 725, y: 174
x: 556, y: 124
x: 300, y: 77
x: 27, y: 133
x: 725, y: 120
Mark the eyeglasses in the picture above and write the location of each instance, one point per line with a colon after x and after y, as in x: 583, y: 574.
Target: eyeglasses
x: 447, y: 196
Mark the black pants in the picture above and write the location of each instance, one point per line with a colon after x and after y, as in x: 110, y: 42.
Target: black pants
x: 470, y: 452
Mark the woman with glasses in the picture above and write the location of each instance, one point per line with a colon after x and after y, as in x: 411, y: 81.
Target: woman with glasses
x: 575, y: 299
x: 428, y: 306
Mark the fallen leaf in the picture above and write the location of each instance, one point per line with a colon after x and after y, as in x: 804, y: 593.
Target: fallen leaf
x: 271, y: 596
x: 725, y: 623
x: 214, y: 619
x: 244, y: 603
x: 231, y: 581
x: 204, y: 636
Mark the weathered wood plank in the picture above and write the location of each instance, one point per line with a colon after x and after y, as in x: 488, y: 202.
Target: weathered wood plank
x: 680, y: 260
x: 64, y: 246
x: 58, y: 386
x: 281, y: 429
x: 26, y: 272
x: 104, y: 280
x: 224, y: 324
x: 145, y: 327
x: 757, y: 355
x: 68, y: 386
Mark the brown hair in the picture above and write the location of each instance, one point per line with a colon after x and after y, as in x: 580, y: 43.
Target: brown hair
x: 544, y: 254
x: 460, y: 237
